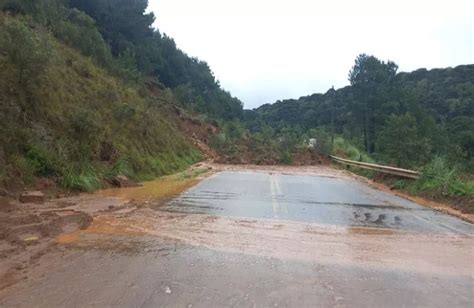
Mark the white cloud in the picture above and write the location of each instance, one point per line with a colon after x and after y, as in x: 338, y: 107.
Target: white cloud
x: 264, y: 50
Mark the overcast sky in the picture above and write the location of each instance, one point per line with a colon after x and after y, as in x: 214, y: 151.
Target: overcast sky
x: 265, y: 50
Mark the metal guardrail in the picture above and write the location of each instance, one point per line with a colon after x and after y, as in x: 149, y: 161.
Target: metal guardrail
x: 384, y: 169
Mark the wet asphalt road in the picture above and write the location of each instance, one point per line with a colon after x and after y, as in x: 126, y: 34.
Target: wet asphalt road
x: 154, y: 271
x: 310, y: 199
x: 182, y: 276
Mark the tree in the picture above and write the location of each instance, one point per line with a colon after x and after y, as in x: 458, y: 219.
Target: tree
x: 28, y: 52
x: 122, y: 23
x: 462, y: 132
x: 79, y: 31
x: 371, y: 80
x: 402, y: 143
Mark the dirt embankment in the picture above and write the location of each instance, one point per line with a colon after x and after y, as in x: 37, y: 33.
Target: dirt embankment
x: 201, y: 134
x: 316, y: 170
x: 243, y: 153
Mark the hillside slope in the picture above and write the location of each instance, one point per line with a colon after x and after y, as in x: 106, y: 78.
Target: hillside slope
x: 65, y: 118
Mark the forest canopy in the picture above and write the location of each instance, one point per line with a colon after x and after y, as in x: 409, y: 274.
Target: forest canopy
x: 120, y: 36
x: 404, y: 119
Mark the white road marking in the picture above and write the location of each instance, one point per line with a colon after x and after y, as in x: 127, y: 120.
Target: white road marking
x: 276, y: 191
x: 274, y: 200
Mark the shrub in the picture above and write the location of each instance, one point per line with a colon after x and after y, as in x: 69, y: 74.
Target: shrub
x: 26, y: 50
x: 86, y: 130
x: 48, y: 13
x: 402, y: 141
x: 79, y: 31
x: 21, y: 168
x: 120, y: 167
x: 42, y: 162
x: 15, y: 7
x: 323, y: 141
x: 81, y: 180
x: 438, y: 178
x: 285, y: 158
x: 344, y: 149
x: 125, y: 66
x: 352, y: 152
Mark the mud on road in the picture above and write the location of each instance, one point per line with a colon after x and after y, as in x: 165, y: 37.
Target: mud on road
x: 248, y: 236
x: 28, y: 231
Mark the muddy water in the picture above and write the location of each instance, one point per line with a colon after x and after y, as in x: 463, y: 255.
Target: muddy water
x: 376, y: 248
x: 151, y: 191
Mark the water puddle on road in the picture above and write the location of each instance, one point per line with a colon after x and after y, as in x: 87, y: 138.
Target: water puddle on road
x: 153, y: 193
x: 103, y: 225
x: 157, y: 190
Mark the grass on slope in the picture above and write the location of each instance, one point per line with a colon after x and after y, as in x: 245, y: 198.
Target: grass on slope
x: 73, y: 122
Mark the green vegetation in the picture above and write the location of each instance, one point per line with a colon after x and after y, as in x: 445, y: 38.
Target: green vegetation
x: 344, y: 149
x: 119, y: 36
x: 64, y: 117
x: 403, y: 119
x: 441, y: 180
x: 408, y: 120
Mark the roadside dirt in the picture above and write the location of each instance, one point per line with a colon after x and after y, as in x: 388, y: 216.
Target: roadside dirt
x: 460, y: 204
x: 28, y: 231
x: 456, y: 208
x: 318, y: 170
x: 245, y: 155
x: 199, y: 132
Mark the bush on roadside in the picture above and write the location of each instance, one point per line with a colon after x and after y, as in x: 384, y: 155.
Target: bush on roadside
x: 42, y: 162
x: 81, y: 179
x: 323, y: 141
x: 285, y: 158
x: 440, y: 179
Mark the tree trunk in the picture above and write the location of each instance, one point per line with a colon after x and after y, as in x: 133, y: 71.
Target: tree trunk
x: 372, y: 128
x: 366, y: 145
x: 372, y: 135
